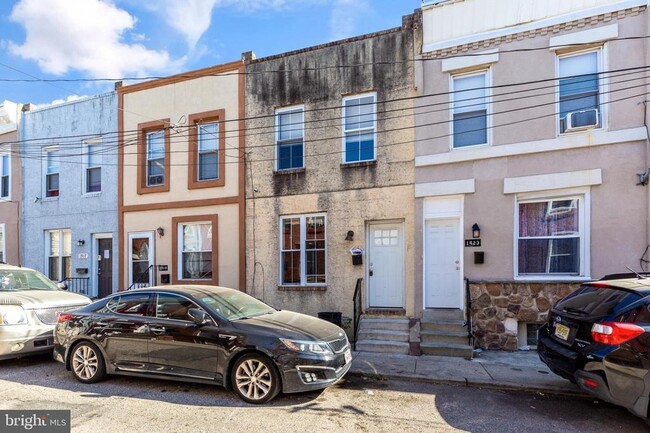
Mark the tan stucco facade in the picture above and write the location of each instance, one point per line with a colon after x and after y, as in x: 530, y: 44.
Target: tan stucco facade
x: 10, y: 208
x: 174, y: 104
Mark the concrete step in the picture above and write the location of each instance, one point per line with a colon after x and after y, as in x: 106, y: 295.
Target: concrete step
x: 443, y: 325
x: 453, y: 337
x: 382, y: 346
x: 443, y: 314
x: 368, y: 323
x: 380, y: 334
x: 447, y: 349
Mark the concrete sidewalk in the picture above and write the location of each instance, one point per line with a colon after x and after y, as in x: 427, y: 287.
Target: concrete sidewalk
x: 493, y: 369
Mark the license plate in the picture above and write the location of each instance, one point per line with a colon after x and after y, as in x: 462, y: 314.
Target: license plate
x: 348, y: 356
x: 562, y: 331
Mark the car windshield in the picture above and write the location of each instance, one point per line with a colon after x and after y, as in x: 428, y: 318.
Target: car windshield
x: 235, y: 305
x: 24, y: 279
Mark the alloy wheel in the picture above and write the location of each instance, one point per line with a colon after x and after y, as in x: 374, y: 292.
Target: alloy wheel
x: 253, y: 379
x: 85, y: 362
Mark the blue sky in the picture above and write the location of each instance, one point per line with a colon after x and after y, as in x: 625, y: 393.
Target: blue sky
x: 72, y: 39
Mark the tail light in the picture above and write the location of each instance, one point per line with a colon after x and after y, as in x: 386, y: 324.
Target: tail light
x: 63, y: 317
x: 615, y: 333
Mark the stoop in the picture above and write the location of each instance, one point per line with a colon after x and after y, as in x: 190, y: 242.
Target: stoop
x: 383, y: 334
x: 443, y: 332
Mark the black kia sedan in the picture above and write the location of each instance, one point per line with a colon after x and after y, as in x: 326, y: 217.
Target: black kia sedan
x: 599, y: 338
x: 202, y: 334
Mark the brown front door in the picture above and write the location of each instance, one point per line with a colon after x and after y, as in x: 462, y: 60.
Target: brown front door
x: 105, y: 267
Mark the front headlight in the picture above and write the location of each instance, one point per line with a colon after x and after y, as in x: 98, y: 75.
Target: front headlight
x: 317, y: 347
x: 12, y: 315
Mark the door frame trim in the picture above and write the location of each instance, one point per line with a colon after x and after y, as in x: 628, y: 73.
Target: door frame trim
x: 94, y: 263
x: 401, y: 223
x: 152, y: 252
x: 449, y: 214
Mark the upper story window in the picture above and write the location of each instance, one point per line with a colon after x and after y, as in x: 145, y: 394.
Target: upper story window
x: 207, y: 150
x: 51, y: 181
x: 93, y: 167
x: 59, y: 254
x: 579, y: 91
x: 469, y: 106
x: 5, y: 176
x: 303, y: 250
x: 359, y: 121
x: 153, y: 157
x: 289, y: 130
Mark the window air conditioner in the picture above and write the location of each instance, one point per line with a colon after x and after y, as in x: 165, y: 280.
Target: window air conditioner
x: 156, y: 180
x: 584, y: 119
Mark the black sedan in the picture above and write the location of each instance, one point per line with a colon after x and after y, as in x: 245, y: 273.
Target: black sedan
x: 599, y: 338
x: 202, y: 334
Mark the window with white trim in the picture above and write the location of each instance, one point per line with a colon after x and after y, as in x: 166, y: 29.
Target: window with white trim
x: 469, y: 106
x: 579, y: 100
x: 551, y: 236
x: 195, y: 255
x: 155, y: 158
x: 51, y: 169
x: 289, y: 131
x: 5, y: 176
x: 359, y: 124
x: 59, y: 250
x: 208, y: 150
x: 303, y: 250
x: 93, y: 167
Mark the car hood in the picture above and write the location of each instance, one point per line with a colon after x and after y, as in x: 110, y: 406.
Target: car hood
x: 34, y: 299
x: 289, y: 324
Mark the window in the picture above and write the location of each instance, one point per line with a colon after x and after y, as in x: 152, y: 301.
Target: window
x: 552, y: 237
x: 303, y: 250
x: 359, y: 128
x: 289, y: 126
x: 194, y: 247
x: 51, y: 161
x: 153, y: 157
x: 207, y: 150
x: 59, y: 259
x: 93, y: 167
x: 579, y: 90
x: 174, y: 307
x: 469, y: 109
x: 5, y: 176
x: 133, y: 304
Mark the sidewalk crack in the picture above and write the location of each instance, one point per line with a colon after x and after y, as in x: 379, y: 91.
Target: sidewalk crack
x: 488, y: 373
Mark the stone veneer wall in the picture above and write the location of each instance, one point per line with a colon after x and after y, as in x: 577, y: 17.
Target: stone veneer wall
x: 498, y: 307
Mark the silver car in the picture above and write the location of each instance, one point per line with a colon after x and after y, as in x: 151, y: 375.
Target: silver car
x: 29, y: 303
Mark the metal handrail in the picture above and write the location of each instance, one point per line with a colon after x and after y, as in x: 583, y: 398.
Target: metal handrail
x: 77, y: 284
x: 138, y: 283
x: 468, y: 313
x: 356, y: 300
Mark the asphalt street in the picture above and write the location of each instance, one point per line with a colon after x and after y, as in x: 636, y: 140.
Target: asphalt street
x: 363, y: 404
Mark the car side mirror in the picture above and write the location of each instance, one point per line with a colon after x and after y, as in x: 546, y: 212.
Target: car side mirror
x: 199, y: 317
x: 62, y: 285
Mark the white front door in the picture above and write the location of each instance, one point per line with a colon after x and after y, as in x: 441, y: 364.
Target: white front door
x: 442, y: 273
x: 385, y: 266
x: 141, y: 257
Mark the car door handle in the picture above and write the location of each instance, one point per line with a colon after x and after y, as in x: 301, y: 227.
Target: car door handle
x: 157, y: 329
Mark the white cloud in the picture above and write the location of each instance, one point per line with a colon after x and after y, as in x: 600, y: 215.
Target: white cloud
x: 345, y: 15
x: 70, y: 98
x: 86, y: 36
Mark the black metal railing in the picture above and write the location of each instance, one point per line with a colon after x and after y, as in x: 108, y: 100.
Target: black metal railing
x: 468, y: 313
x: 77, y: 285
x: 144, y: 279
x: 356, y: 299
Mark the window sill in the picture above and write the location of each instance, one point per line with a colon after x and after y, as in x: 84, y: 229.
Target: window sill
x: 469, y: 146
x: 302, y: 288
x: 581, y: 131
x: 552, y: 279
x: 92, y: 194
x: 372, y: 163
x: 46, y: 199
x: 289, y: 171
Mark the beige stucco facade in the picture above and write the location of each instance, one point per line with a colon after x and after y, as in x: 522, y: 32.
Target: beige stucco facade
x: 176, y: 105
x: 10, y: 205
x: 527, y: 158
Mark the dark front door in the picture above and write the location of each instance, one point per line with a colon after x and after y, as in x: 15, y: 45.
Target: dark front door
x: 105, y: 267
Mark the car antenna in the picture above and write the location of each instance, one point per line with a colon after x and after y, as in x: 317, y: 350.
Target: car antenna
x: 639, y: 276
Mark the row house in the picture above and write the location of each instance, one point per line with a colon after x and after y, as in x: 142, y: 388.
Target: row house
x: 69, y: 193
x: 181, y: 179
x: 530, y: 135
x: 10, y: 183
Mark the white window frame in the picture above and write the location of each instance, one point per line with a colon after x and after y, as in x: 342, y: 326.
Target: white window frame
x: 356, y: 130
x: 5, y: 152
x: 148, y: 159
x: 278, y: 112
x: 3, y: 244
x: 199, y: 153
x: 180, y: 246
x: 86, y: 166
x: 488, y: 110
x: 603, y: 88
x: 303, y: 253
x: 48, y: 247
x: 583, y: 195
x: 46, y: 153
x: 152, y: 253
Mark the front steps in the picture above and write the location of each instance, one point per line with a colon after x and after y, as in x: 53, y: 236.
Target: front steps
x: 383, y: 335
x: 443, y: 333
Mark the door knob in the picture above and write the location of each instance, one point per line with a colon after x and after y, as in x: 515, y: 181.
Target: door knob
x: 370, y: 273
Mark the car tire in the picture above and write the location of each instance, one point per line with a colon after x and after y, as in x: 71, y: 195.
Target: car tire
x: 255, y: 378
x: 87, y: 363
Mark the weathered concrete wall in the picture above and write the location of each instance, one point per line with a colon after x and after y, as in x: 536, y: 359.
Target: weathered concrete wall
x: 350, y: 195
x: 67, y: 125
